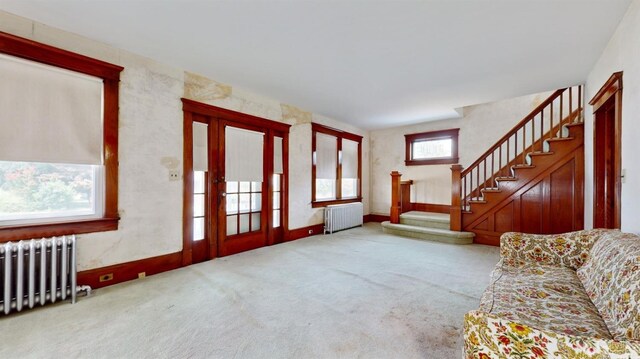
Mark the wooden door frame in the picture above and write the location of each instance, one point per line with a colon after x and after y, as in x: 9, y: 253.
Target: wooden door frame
x: 270, y: 128
x: 611, y: 88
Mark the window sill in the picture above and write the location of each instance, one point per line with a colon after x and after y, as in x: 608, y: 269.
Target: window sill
x: 318, y: 204
x: 436, y: 161
x: 29, y: 231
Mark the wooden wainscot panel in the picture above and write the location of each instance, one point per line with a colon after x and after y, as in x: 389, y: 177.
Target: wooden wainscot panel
x: 105, y: 276
x: 504, y: 219
x: 431, y: 207
x: 375, y: 218
x: 298, y: 233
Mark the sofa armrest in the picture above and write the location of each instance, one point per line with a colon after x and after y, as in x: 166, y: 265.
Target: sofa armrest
x: 567, y: 249
x: 489, y: 336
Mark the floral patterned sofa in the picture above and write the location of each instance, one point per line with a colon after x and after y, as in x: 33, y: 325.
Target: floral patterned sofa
x: 573, y: 295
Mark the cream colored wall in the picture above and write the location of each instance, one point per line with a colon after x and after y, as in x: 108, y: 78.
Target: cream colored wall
x: 150, y: 135
x: 480, y: 127
x: 621, y: 54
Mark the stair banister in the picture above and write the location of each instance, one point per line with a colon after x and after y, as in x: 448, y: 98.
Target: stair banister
x: 515, y: 129
x: 396, y: 196
x: 455, y: 223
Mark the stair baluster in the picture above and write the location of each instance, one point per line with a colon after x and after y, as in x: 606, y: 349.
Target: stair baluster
x: 467, y: 184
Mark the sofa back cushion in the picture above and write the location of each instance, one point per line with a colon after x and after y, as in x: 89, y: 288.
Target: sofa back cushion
x: 611, y: 277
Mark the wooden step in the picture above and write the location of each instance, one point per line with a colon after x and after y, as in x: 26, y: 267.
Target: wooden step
x: 479, y: 201
x: 506, y: 179
x: 539, y: 153
x: 491, y: 190
x: 560, y: 139
x: 431, y: 234
x: 426, y: 219
x: 522, y: 166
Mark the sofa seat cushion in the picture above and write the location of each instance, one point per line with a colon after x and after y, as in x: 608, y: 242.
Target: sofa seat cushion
x: 611, y: 278
x: 543, y: 297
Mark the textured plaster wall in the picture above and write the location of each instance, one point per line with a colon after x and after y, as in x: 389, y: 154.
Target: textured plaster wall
x: 621, y: 54
x: 480, y: 127
x: 150, y: 135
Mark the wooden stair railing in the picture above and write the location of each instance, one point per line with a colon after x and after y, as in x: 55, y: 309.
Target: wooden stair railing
x: 400, y: 196
x: 510, y: 151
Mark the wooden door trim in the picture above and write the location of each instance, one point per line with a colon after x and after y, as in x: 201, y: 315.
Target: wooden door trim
x: 611, y: 88
x: 218, y: 117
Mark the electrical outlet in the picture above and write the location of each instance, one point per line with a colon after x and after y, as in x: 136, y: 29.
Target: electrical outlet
x: 311, y: 231
x: 142, y: 275
x: 106, y: 277
x: 174, y: 175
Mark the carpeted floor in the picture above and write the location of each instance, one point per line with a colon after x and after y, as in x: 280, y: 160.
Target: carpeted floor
x: 355, y: 294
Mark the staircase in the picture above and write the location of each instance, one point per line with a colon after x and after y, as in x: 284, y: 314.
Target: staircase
x: 531, y: 180
x: 427, y: 226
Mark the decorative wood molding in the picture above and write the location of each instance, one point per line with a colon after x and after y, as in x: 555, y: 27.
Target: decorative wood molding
x: 432, y: 135
x: 431, y: 207
x: 128, y: 271
x: 375, y: 218
x: 110, y: 74
x: 339, y: 135
x: 607, y: 152
x: 303, y: 232
x: 613, y: 85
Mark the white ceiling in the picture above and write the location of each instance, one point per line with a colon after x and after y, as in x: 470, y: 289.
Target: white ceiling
x: 370, y: 63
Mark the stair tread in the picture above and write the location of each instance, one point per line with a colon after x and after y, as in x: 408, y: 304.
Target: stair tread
x: 523, y: 166
x: 573, y: 124
x: 477, y: 201
x: 491, y: 190
x: 438, y: 231
x: 539, y: 153
x: 558, y: 139
x: 427, y: 216
x: 506, y: 179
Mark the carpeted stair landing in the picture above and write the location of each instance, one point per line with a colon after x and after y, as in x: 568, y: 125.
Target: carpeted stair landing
x: 428, y: 226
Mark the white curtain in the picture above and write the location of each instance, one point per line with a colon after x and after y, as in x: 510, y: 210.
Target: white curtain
x: 243, y: 155
x: 277, y: 155
x: 48, y: 114
x: 326, y: 156
x: 200, y: 147
x: 349, y: 159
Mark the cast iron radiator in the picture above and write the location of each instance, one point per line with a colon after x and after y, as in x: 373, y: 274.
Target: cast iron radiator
x: 342, y: 216
x: 37, y: 272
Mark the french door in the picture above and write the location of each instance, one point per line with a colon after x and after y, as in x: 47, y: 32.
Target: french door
x: 234, y: 189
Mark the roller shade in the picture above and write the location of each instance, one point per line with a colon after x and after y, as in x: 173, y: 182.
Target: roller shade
x: 243, y: 155
x: 200, y: 147
x: 349, y: 159
x: 326, y: 161
x: 48, y: 114
x: 277, y: 155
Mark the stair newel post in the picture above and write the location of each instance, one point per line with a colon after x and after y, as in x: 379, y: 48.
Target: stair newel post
x: 456, y: 203
x: 395, y: 211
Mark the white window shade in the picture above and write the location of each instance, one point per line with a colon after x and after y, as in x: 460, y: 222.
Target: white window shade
x: 200, y: 147
x: 326, y: 160
x: 349, y: 159
x: 277, y: 155
x: 243, y: 155
x: 48, y: 114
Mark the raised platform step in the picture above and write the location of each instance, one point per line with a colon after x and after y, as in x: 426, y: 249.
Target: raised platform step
x: 426, y: 219
x: 431, y: 234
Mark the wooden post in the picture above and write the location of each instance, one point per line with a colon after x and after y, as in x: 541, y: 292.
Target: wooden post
x: 456, y: 206
x: 394, y: 213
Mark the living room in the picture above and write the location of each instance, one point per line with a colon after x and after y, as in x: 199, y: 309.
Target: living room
x: 313, y: 129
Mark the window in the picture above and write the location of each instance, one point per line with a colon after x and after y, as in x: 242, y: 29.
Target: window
x: 336, y: 157
x: 432, y: 148
x: 58, y: 141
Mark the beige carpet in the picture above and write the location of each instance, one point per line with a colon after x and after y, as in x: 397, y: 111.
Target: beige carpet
x: 355, y: 294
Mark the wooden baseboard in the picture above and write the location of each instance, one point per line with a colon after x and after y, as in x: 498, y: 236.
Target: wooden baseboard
x: 431, y: 207
x: 303, y: 232
x: 128, y: 271
x: 375, y: 218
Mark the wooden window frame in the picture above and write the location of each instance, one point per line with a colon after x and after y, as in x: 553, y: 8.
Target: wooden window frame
x: 432, y: 135
x: 340, y: 135
x: 110, y: 74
